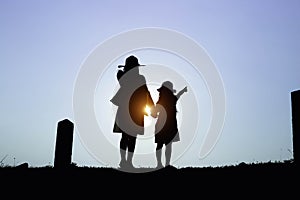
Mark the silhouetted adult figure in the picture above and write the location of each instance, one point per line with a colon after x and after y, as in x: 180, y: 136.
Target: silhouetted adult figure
x: 166, y: 130
x: 131, y: 99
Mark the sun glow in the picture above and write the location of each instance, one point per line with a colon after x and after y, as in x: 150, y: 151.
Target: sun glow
x: 147, y: 118
x: 148, y: 110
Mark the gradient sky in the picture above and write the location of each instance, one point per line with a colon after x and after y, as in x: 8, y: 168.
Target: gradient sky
x: 254, y: 44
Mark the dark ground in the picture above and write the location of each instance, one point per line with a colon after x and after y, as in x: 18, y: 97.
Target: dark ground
x: 270, y: 179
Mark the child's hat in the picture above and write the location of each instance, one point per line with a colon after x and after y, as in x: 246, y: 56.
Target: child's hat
x: 168, y: 85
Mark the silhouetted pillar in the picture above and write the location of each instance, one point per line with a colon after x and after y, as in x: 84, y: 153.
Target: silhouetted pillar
x: 296, y: 124
x: 64, y: 143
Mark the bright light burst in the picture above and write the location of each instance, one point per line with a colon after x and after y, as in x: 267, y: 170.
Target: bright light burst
x: 148, y: 110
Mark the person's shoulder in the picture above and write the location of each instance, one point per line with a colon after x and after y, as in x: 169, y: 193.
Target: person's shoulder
x: 142, y: 78
x: 175, y: 97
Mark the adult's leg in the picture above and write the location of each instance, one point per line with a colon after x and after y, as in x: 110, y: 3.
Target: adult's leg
x: 158, y: 155
x: 131, y: 147
x: 168, y: 153
x: 123, y: 148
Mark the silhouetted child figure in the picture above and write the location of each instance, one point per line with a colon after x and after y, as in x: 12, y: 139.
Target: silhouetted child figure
x: 166, y: 130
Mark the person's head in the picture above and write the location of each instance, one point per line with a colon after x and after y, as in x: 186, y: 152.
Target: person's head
x: 131, y: 63
x: 167, y: 85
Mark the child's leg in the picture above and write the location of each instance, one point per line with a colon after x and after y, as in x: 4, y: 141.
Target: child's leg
x: 158, y: 155
x: 168, y: 153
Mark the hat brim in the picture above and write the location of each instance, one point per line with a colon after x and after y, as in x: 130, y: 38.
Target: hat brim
x: 120, y: 66
x: 159, y: 89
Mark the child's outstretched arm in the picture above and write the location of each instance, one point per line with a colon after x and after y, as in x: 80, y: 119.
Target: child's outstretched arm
x: 181, y: 92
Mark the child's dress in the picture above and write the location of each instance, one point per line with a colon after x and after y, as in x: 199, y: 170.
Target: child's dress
x: 166, y: 130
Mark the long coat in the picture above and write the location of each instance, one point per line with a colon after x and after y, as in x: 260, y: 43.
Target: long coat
x: 131, y: 99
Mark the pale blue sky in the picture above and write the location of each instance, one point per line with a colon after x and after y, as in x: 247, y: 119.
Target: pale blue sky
x: 255, y: 45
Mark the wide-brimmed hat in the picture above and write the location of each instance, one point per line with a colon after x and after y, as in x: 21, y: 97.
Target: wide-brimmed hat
x: 168, y: 85
x: 130, y: 63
